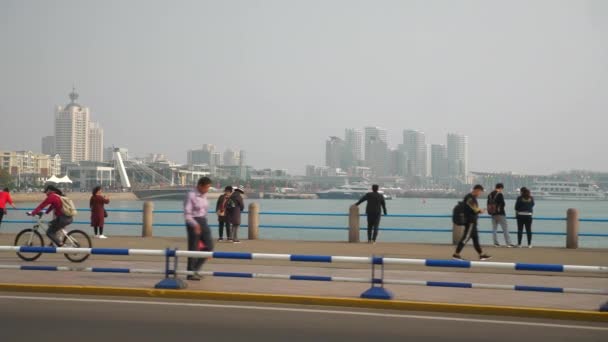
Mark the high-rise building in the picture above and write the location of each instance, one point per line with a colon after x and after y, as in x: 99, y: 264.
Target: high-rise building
x: 376, y: 150
x: 458, y: 156
x: 439, y: 162
x: 353, y: 139
x: 95, y: 142
x: 201, y: 156
x: 242, y: 157
x: 230, y: 158
x: 216, y: 159
x: 48, y: 145
x: 334, y: 152
x: 416, y: 150
x: 72, y: 131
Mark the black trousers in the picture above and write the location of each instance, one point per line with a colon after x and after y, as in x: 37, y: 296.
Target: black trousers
x: 195, y: 264
x: 223, y: 224
x: 470, y: 232
x: 57, y: 224
x: 373, y: 224
x: 1, y: 215
x: 524, y: 221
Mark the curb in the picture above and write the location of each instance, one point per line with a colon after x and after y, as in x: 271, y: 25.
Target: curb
x: 577, y: 315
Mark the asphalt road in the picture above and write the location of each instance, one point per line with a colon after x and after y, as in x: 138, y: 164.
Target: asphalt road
x: 30, y: 317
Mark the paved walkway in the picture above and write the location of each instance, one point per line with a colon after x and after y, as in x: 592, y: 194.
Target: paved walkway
x: 451, y: 295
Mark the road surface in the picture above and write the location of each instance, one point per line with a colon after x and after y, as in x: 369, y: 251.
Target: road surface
x: 31, y: 317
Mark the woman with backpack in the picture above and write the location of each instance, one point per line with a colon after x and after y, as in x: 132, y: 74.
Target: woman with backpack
x: 524, y: 207
x: 98, y: 212
x: 55, y: 204
x: 233, y: 212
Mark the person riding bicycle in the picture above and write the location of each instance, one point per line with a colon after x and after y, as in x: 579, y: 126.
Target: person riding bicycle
x: 60, y: 221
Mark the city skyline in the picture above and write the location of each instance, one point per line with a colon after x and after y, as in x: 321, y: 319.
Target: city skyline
x: 514, y: 78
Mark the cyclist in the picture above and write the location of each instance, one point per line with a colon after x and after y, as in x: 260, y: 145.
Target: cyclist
x: 60, y: 221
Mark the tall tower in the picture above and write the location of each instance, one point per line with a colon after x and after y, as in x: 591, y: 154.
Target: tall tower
x: 353, y: 139
x: 458, y: 156
x: 95, y: 142
x: 72, y: 131
x: 416, y: 149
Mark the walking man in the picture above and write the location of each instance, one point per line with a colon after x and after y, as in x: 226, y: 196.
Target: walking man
x: 375, y: 206
x: 471, y: 213
x: 5, y: 197
x: 196, y: 207
x: 496, y: 208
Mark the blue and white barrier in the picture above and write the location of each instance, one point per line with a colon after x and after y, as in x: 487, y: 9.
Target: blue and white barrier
x: 315, y: 258
x: 313, y: 278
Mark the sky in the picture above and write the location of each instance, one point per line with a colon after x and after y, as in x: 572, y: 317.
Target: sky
x: 526, y: 80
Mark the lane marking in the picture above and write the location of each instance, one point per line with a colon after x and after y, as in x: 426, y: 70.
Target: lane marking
x: 299, y: 310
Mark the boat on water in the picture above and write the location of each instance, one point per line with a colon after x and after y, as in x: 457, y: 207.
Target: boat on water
x: 349, y: 191
x: 567, y: 191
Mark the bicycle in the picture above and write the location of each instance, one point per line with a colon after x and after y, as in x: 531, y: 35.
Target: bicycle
x: 30, y: 237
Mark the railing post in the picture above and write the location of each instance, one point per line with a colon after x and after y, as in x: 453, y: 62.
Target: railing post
x: 457, y: 232
x: 353, y: 224
x: 254, y: 220
x: 148, y: 219
x: 572, y: 228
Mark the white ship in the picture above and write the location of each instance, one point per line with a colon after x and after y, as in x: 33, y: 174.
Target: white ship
x: 567, y: 191
x: 349, y: 191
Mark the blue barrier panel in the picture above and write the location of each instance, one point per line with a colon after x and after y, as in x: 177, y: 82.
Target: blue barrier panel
x: 539, y: 267
x: 377, y: 260
x: 310, y: 258
x: 311, y: 278
x: 110, y: 270
x: 449, y: 284
x: 233, y: 274
x: 39, y: 268
x: 27, y: 249
x: 448, y: 263
x: 110, y: 251
x: 539, y: 289
x: 232, y: 255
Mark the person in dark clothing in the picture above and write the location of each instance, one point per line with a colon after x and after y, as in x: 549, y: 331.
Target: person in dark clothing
x: 471, y: 213
x: 496, y: 200
x: 375, y: 205
x: 524, y: 207
x: 98, y: 212
x: 233, y: 212
x: 220, y: 209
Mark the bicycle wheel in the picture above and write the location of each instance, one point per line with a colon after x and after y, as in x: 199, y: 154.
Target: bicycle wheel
x: 77, y: 239
x: 29, y: 238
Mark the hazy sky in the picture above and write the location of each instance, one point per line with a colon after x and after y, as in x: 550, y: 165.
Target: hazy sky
x: 527, y: 81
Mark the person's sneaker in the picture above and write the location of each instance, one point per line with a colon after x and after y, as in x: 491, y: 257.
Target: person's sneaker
x: 193, y: 278
x: 102, y: 236
x: 237, y: 241
x: 220, y: 240
x: 496, y: 245
x: 519, y: 246
x: 485, y: 257
x: 529, y: 246
x: 510, y: 245
x: 457, y: 257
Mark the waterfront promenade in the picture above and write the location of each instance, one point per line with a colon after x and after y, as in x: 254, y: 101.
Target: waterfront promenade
x: 335, y: 289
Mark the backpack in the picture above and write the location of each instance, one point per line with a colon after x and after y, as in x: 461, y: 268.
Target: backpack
x: 458, y: 214
x: 68, y: 207
x: 492, y: 206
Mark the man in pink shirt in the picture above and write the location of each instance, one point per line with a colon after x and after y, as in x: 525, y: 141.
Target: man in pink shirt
x: 196, y: 207
x: 5, y: 197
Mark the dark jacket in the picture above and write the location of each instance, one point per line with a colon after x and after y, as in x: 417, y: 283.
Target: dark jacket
x: 523, y: 205
x: 96, y: 203
x: 220, y: 207
x: 499, y: 200
x: 234, y: 208
x: 375, y: 203
x: 471, y: 209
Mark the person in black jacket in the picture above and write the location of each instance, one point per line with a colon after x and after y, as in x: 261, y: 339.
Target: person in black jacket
x: 471, y: 213
x: 375, y: 203
x: 524, y: 207
x: 220, y: 210
x: 496, y: 200
x: 233, y: 212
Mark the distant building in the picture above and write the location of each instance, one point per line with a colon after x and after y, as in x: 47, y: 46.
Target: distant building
x: 231, y: 158
x: 416, y: 153
x: 72, y: 131
x: 29, y: 167
x: 439, y: 162
x: 108, y: 154
x: 88, y: 174
x: 201, y: 156
x: 376, y: 150
x: 335, y: 150
x: 95, y: 142
x: 458, y: 156
x: 216, y: 159
x: 353, y: 140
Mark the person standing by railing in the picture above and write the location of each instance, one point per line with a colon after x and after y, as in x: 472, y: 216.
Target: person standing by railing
x: 496, y: 208
x: 98, y: 212
x: 524, y: 207
x: 5, y: 197
x: 233, y: 212
x: 220, y: 209
x: 375, y: 205
x: 471, y: 214
x: 196, y: 207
